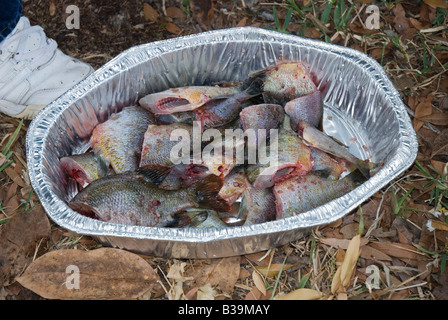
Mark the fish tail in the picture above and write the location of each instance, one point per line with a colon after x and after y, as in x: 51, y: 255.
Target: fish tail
x: 153, y: 173
x: 364, y: 167
x: 207, y: 194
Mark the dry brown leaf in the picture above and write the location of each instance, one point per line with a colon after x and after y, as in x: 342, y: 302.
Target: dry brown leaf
x: 242, y: 22
x: 104, y: 273
x: 149, y: 12
x: 223, y: 272
x: 424, y: 108
x: 300, y: 294
x: 14, y: 176
x: 177, y: 272
x: 401, y: 23
x: 368, y: 252
x: 52, y: 8
x: 18, y: 238
x: 171, y: 27
x: 341, y: 243
x: 259, y: 282
x: 417, y: 24
x: 439, y: 225
x: 202, y: 9
x: 437, y: 3
x: 175, y: 13
x: 398, y: 250
x: 273, y: 269
x: 439, y: 118
x: 336, y: 283
x: 350, y: 259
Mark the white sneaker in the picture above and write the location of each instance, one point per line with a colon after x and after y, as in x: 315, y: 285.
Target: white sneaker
x: 33, y: 72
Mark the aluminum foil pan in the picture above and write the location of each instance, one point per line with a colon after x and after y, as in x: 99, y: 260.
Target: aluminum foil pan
x: 362, y: 110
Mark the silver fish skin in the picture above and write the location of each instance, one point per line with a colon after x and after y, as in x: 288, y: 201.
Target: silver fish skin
x: 84, y: 168
x: 326, y: 165
x: 134, y: 199
x: 218, y: 112
x: 294, y: 158
x: 299, y: 194
x: 184, y: 98
x: 206, y: 219
x: 257, y: 206
x: 319, y: 140
x: 157, y: 145
x: 308, y: 107
x: 285, y: 81
x: 262, y: 116
x: 118, y: 140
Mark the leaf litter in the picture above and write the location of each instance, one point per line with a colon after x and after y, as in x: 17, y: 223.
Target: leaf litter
x: 394, y: 246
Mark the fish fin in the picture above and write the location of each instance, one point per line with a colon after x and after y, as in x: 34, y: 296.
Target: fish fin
x: 364, y: 167
x: 153, y: 173
x: 253, y: 86
x: 85, y: 210
x: 207, y: 194
x: 357, y: 177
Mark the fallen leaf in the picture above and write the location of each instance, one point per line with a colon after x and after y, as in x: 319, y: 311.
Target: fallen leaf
x: 177, y: 272
x: 439, y: 225
x: 259, y: 282
x: 368, y: 252
x: 398, y: 250
x: 175, y: 13
x: 18, y: 238
x: 202, y: 9
x: 424, y: 108
x: 417, y: 24
x: 300, y: 294
x: 171, y: 27
x: 439, y: 118
x: 437, y: 3
x: 104, y: 273
x: 149, y: 12
x: 350, y: 259
x: 206, y: 292
x: 341, y: 243
x: 52, y: 8
x: 242, y: 22
x: 222, y: 272
x: 401, y: 23
x: 273, y: 269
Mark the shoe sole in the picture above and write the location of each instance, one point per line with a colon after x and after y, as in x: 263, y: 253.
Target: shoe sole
x: 30, y: 111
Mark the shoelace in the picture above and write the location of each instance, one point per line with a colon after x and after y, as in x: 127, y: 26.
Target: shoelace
x: 36, y: 57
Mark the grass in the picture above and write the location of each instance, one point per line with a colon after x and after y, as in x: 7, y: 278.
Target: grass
x: 6, y: 152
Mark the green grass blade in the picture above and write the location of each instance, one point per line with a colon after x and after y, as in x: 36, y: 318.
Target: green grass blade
x: 12, y: 138
x: 326, y: 13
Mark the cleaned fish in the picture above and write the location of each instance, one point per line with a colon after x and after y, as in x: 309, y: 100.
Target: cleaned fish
x: 185, y: 98
x: 118, y: 140
x: 135, y: 199
x: 293, y: 157
x: 262, y: 116
x: 319, y: 140
x: 327, y: 166
x: 302, y: 193
x: 157, y: 143
x: 285, y: 81
x: 84, y: 168
x: 257, y: 205
x: 206, y: 219
x: 218, y: 112
x: 234, y: 185
x: 308, y: 107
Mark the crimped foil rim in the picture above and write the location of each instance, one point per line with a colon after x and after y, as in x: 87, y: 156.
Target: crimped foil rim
x: 60, y: 213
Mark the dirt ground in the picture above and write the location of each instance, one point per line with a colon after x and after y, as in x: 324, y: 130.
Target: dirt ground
x: 410, y: 257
